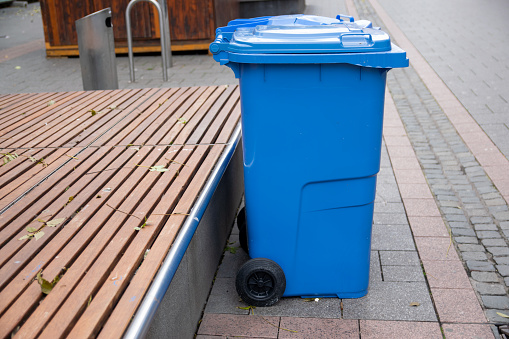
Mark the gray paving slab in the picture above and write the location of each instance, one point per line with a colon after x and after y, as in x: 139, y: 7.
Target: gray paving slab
x: 391, y: 301
x: 466, y: 184
x: 399, y: 258
x: 477, y: 72
x: 392, y: 238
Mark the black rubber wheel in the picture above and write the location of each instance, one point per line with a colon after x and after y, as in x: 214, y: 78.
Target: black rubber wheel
x: 242, y: 225
x: 260, y: 282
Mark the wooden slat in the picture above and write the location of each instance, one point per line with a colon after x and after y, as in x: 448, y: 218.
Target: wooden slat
x: 21, y: 134
x: 21, y: 107
x: 8, y: 100
x: 113, y: 191
x: 26, y: 174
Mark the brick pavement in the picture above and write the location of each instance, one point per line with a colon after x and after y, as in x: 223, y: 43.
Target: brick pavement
x: 433, y: 180
x: 472, y: 206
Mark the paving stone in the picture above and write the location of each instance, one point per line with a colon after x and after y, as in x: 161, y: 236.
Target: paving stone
x: 392, y: 237
x: 378, y: 329
x: 466, y: 240
x: 500, y: 302
x: 498, y: 251
x: 238, y: 325
x: 493, y: 242
x: 384, y: 207
x: 299, y: 307
x: 450, y: 210
x: 318, y: 328
x: 470, y: 248
x: 446, y: 274
x: 463, y: 232
x: 474, y: 256
x: 501, y: 216
x: 503, y: 270
x: 485, y: 276
x: 455, y: 217
x: 488, y: 234
x: 391, y: 301
x: 484, y: 266
x: 493, y: 317
x: 457, y: 224
x: 457, y: 305
x: 402, y: 273
x: 489, y: 288
x: 231, y: 264
x: 501, y: 260
x: 388, y: 218
x: 399, y: 258
x: 481, y: 220
x: 504, y: 225
x: 462, y: 331
x: 485, y: 227
x: 223, y: 298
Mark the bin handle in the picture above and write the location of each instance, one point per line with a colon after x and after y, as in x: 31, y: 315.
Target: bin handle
x: 216, y: 46
x: 340, y: 16
x: 352, y: 39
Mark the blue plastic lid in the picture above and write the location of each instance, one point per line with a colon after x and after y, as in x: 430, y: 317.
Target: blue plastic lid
x: 312, y: 38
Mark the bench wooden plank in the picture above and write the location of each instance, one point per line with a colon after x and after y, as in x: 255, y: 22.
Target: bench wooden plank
x: 25, y: 103
x: 36, y: 120
x: 8, y: 99
x: 99, y: 245
x: 28, y: 173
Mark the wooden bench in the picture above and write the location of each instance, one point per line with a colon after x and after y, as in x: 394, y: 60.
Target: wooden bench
x: 118, y: 172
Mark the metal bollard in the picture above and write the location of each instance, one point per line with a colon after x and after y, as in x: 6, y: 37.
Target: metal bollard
x: 97, y: 51
x: 164, y: 27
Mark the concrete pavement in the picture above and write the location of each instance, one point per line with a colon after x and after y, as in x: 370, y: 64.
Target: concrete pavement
x: 441, y: 225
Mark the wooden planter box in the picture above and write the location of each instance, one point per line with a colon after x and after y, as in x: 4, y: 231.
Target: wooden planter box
x: 192, y: 23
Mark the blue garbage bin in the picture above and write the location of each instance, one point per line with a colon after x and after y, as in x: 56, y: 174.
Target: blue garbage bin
x: 312, y: 99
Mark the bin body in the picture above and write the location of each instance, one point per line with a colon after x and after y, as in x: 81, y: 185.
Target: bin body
x: 312, y: 134
x: 97, y: 51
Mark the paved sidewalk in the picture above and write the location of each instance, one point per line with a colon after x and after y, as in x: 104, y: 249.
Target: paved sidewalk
x: 440, y: 253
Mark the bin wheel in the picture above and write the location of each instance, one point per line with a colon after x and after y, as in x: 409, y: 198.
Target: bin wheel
x: 260, y: 282
x: 241, y: 223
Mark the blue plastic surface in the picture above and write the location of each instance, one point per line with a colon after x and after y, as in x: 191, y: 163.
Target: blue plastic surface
x: 312, y: 134
x: 314, y: 39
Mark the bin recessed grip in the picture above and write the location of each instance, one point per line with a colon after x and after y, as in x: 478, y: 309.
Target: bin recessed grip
x: 356, y: 39
x: 341, y: 16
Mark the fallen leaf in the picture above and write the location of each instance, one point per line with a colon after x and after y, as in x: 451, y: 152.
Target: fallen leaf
x: 17, y: 67
x: 51, y: 102
x: 28, y: 236
x: 415, y: 304
x: 503, y: 315
x: 38, y: 235
x: 158, y: 168
x: 46, y: 286
x: 310, y: 299
x: 182, y: 121
x: 32, y: 229
x: 68, y: 201
x: 231, y: 249
x: 55, y: 222
x: 246, y: 308
x: 8, y: 157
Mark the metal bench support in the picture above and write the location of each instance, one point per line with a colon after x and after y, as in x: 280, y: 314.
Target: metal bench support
x: 164, y: 28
